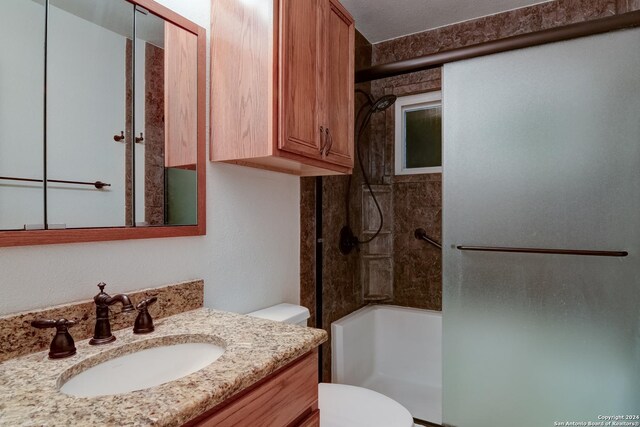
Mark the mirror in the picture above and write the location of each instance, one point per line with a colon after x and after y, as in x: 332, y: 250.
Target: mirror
x: 21, y: 114
x: 166, y: 117
x: 116, y: 142
x: 87, y: 85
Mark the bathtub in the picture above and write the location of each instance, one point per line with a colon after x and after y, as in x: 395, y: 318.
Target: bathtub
x: 396, y: 351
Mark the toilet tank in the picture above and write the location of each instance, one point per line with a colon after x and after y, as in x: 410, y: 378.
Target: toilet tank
x: 287, y: 313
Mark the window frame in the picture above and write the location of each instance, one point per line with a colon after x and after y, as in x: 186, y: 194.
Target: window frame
x: 411, y: 103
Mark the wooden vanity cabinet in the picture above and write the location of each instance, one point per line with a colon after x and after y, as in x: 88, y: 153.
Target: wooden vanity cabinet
x: 287, y: 398
x: 282, y: 85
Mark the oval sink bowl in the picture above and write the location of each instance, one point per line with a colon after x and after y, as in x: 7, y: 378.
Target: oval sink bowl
x: 143, y: 369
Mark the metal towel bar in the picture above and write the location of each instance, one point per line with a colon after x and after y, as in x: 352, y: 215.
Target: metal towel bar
x: 421, y: 234
x: 543, y: 251
x: 98, y: 184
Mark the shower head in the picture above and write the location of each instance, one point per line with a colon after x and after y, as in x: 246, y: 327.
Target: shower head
x: 383, y: 103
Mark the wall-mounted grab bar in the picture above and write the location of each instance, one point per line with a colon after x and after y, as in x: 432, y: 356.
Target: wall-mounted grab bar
x: 543, y: 251
x: 421, y: 234
x: 98, y: 184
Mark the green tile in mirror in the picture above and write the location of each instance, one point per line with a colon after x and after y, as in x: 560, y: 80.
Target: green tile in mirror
x: 182, y: 196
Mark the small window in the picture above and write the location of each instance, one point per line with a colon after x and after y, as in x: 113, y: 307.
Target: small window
x: 418, y: 140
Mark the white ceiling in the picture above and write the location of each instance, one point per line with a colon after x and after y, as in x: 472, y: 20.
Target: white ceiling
x: 380, y: 20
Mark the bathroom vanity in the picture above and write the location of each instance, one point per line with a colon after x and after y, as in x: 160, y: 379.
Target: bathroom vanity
x: 265, y: 376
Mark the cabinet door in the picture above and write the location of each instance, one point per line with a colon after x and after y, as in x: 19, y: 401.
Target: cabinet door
x: 276, y: 402
x: 340, y: 32
x: 312, y: 420
x: 181, y: 102
x: 302, y: 76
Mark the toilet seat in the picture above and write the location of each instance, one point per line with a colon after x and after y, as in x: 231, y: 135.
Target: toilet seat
x: 349, y: 406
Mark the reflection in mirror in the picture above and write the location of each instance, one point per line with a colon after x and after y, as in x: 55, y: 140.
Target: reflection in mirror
x: 98, y: 116
x: 21, y: 114
x: 166, y: 119
x: 88, y: 80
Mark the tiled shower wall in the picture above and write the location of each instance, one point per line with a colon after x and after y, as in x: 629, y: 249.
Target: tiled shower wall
x: 396, y: 263
x: 154, y: 141
x: 342, y: 292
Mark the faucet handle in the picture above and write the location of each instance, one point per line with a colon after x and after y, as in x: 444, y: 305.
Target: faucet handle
x: 146, y: 303
x: 102, y: 285
x: 144, y: 321
x: 60, y: 325
x: 62, y: 344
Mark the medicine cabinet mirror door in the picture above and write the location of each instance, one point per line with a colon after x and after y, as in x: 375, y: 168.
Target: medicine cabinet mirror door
x: 166, y: 124
x: 89, y: 80
x: 114, y: 147
x: 22, y: 39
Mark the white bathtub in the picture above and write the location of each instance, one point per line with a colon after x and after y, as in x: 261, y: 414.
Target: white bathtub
x: 396, y: 351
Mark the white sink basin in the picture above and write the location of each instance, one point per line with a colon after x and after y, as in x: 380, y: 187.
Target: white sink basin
x: 143, y: 369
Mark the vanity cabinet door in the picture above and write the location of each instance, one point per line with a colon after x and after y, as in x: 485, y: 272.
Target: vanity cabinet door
x: 302, y: 77
x: 340, y: 32
x: 287, y: 398
x: 312, y: 420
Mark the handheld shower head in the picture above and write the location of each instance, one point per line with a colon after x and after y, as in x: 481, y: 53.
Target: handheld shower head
x: 348, y: 240
x: 383, y: 103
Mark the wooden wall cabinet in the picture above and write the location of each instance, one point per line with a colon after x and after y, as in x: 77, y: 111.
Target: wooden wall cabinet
x: 282, y: 85
x: 288, y: 398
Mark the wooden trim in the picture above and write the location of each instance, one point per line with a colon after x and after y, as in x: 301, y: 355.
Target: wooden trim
x: 336, y: 4
x: 316, y: 163
x: 168, y: 15
x: 202, y: 130
x: 83, y: 235
x: 567, y: 32
x: 284, y: 165
x: 276, y: 81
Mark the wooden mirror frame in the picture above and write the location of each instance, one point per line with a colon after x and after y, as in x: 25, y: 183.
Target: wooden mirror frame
x: 77, y: 235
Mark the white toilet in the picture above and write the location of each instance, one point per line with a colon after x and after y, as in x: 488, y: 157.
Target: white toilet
x: 344, y: 405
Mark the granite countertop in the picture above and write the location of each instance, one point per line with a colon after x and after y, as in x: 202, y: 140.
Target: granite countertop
x: 255, y: 348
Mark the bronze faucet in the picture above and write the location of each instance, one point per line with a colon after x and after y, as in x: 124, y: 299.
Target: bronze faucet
x: 102, y: 333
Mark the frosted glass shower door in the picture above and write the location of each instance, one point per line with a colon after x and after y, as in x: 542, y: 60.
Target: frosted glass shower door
x: 542, y: 150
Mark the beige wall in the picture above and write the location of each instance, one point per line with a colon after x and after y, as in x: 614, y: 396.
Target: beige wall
x: 249, y: 258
